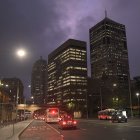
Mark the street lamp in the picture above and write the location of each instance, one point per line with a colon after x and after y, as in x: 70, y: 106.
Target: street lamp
x: 87, y: 105
x: 32, y: 97
x: 115, y: 102
x: 114, y: 85
x: 24, y: 108
x: 130, y: 96
x: 137, y: 94
x: 20, y: 53
x: 113, y: 92
x: 101, y: 99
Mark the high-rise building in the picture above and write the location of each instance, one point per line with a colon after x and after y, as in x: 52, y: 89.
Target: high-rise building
x: 67, y: 76
x: 39, y: 81
x: 109, y: 61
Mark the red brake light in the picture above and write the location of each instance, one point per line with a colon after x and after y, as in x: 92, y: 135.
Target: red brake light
x: 53, y: 111
x: 74, y: 122
x: 64, y: 123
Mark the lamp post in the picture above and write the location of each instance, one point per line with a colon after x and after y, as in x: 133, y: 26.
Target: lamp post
x: 24, y: 109
x: 115, y: 102
x: 101, y: 98
x: 20, y: 53
x: 87, y: 105
x: 17, y: 98
x: 115, y: 99
x: 32, y: 97
x: 130, y: 96
x: 138, y: 95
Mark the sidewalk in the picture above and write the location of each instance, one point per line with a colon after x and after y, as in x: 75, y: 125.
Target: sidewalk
x: 11, y: 132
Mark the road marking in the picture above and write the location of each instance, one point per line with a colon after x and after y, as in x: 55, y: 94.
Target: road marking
x: 54, y: 129
x: 84, y: 129
x: 135, y: 126
x: 62, y: 137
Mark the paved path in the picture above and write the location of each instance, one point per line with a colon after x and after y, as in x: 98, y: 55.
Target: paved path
x: 11, y: 132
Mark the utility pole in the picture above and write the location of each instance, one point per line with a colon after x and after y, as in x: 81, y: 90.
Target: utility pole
x: 101, y: 98
x: 17, y: 99
x: 87, y: 104
x: 130, y: 96
x: 24, y: 109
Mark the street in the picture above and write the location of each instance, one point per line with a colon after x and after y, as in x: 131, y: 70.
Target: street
x: 86, y: 130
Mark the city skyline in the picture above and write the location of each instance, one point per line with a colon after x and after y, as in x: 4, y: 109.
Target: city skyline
x: 42, y: 26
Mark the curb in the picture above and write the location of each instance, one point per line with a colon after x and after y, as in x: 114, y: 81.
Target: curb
x: 20, y: 133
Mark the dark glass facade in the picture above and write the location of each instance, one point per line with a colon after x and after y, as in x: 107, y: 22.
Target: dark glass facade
x: 109, y: 60
x: 39, y: 81
x: 67, y: 76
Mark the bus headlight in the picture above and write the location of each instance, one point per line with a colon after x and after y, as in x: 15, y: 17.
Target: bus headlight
x: 120, y: 117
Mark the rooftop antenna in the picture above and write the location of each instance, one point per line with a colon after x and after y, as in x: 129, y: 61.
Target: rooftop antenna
x: 105, y: 13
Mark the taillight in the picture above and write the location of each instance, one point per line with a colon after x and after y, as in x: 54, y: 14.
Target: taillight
x: 74, y: 122
x: 64, y: 123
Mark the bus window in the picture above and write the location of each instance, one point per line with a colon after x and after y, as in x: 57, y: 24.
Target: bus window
x: 52, y: 115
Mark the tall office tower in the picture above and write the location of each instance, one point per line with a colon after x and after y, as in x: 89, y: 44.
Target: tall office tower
x: 67, y: 76
x: 39, y: 81
x: 109, y: 61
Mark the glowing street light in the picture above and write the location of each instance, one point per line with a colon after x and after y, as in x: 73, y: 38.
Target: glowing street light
x: 32, y: 98
x: 29, y: 86
x: 138, y: 95
x: 114, y: 85
x: 21, y: 53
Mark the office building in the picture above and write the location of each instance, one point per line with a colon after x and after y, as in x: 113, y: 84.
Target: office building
x: 109, y: 61
x: 13, y: 87
x: 39, y: 82
x: 67, y: 76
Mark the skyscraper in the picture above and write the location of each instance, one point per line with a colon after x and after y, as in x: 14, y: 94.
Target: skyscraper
x: 39, y: 81
x: 67, y: 76
x: 109, y: 60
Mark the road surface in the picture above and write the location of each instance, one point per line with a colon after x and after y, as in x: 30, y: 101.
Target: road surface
x: 86, y: 130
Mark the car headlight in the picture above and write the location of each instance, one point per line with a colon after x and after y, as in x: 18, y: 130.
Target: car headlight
x: 120, y: 117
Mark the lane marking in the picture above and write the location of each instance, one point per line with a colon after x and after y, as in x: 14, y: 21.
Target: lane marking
x: 135, y: 126
x: 54, y: 129
x: 113, y: 124
x: 84, y: 129
x: 62, y: 137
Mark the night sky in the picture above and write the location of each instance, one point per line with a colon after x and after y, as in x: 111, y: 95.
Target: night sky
x: 40, y: 26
